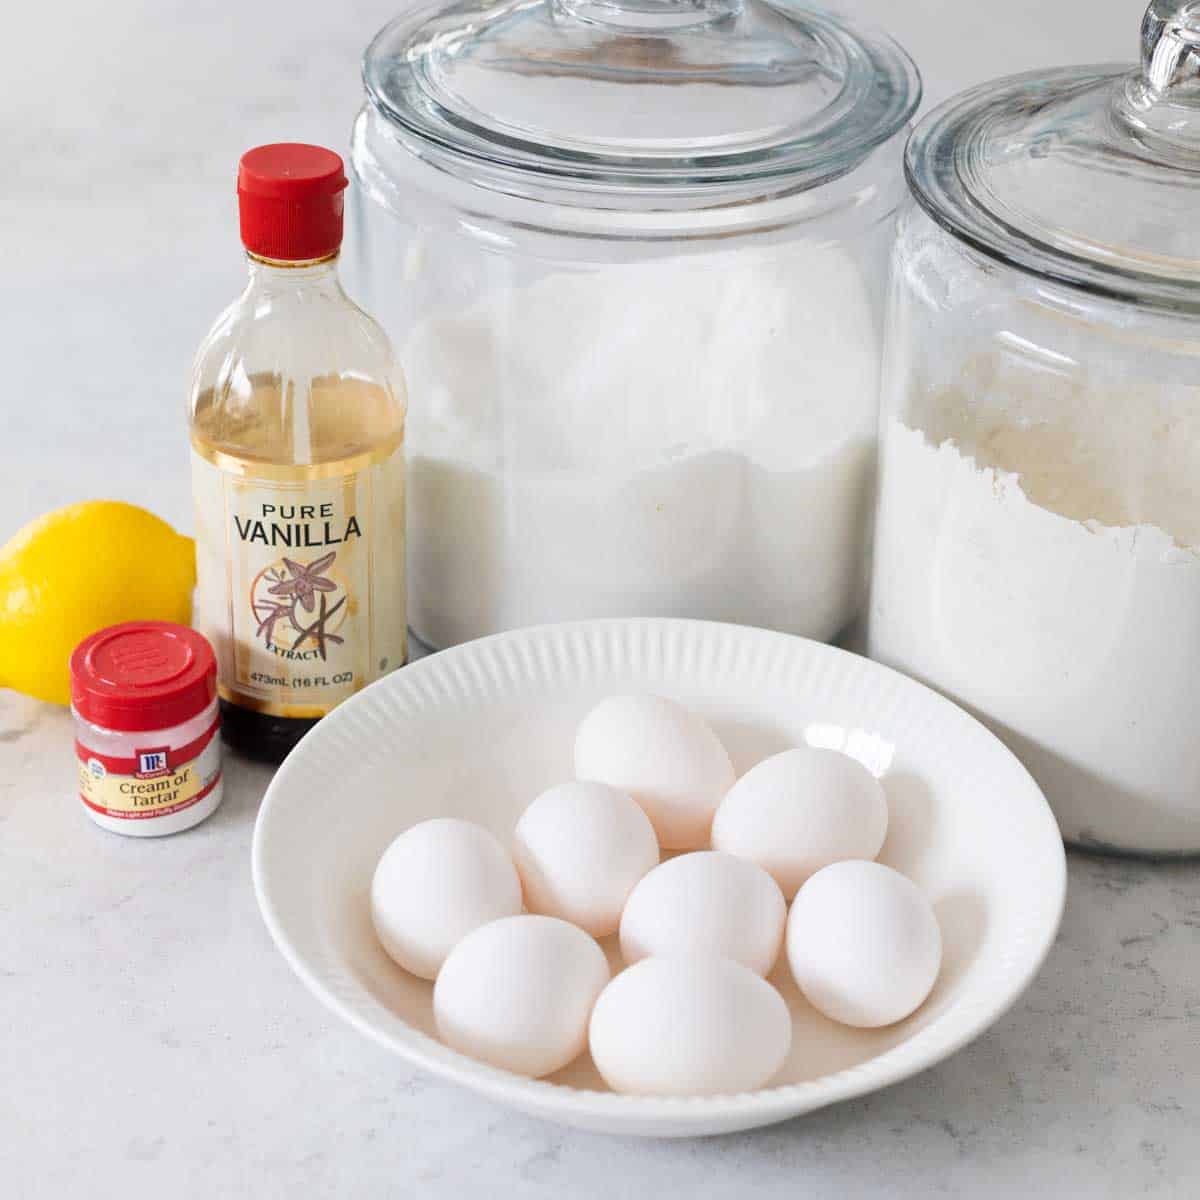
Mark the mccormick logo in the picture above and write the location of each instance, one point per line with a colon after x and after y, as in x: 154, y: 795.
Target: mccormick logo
x: 151, y: 763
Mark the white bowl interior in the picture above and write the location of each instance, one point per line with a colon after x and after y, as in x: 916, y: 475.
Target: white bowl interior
x: 479, y: 731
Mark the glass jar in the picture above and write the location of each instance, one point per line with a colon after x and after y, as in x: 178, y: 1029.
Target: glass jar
x: 1037, y: 548
x: 632, y: 255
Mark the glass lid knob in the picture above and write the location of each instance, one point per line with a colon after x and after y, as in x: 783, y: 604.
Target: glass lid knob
x: 646, y: 16
x: 1161, y: 102
x: 1171, y: 45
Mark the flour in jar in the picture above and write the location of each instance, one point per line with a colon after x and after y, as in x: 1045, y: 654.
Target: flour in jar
x: 1049, y: 582
x: 689, y: 436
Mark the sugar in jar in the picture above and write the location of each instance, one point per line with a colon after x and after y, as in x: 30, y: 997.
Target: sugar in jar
x: 144, y: 699
x: 537, y: 184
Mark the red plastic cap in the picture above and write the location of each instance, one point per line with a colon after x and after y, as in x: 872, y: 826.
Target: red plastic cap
x: 143, y: 675
x: 290, y: 200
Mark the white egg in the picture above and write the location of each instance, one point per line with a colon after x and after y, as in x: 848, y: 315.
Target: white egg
x: 518, y: 993
x: 863, y: 944
x: 706, y: 903
x: 801, y: 810
x: 665, y: 757
x: 580, y: 848
x: 689, y: 1026
x: 434, y: 884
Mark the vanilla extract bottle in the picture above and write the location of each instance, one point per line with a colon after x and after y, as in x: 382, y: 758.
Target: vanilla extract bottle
x: 297, y: 428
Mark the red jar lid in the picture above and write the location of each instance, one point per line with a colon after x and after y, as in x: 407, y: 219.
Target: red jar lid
x: 142, y: 675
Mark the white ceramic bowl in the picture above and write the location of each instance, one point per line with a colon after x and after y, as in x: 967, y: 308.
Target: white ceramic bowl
x: 478, y: 731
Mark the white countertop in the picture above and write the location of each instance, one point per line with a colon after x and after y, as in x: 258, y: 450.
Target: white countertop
x: 152, y: 1041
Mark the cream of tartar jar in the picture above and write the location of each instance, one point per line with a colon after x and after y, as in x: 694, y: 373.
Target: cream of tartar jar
x: 144, y: 699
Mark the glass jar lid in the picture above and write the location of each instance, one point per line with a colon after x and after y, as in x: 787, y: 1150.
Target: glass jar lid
x: 595, y: 96
x: 1085, y: 175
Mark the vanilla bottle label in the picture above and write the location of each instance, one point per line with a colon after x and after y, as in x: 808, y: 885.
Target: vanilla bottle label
x: 300, y: 576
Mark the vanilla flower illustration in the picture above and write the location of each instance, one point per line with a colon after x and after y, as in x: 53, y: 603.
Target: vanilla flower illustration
x: 306, y: 581
x: 266, y: 623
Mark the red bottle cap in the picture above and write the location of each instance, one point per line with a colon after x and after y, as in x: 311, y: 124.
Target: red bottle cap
x: 142, y: 675
x: 290, y: 200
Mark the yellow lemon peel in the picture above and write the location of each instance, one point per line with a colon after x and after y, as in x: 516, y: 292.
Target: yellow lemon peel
x: 77, y: 569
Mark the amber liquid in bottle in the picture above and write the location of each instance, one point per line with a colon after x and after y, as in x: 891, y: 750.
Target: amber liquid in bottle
x: 297, y: 429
